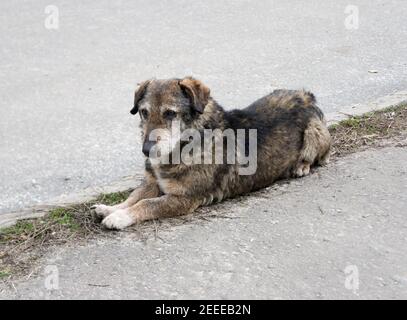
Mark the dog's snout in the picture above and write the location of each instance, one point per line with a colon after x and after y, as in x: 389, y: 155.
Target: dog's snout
x: 147, y: 145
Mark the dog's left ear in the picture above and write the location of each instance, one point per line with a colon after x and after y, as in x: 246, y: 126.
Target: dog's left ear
x: 196, y: 91
x: 139, y: 95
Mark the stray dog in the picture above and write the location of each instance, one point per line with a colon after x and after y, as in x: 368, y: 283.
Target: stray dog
x: 291, y: 136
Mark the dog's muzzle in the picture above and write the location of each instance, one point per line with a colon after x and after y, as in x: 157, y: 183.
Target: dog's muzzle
x: 147, y: 146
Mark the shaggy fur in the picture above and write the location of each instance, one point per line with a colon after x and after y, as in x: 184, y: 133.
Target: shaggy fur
x: 291, y: 137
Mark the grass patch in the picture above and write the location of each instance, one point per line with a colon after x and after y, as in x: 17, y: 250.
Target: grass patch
x: 4, y: 274
x: 27, y: 240
x: 64, y: 217
x: 22, y: 229
x: 112, y: 198
x: 368, y: 130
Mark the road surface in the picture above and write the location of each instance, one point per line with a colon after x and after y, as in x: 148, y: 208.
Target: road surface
x: 340, y: 233
x: 66, y: 93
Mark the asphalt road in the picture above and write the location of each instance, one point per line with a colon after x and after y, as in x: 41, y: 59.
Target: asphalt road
x: 66, y: 93
x: 339, y: 233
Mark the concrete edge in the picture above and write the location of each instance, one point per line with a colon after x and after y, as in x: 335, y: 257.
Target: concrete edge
x: 130, y: 182
x: 65, y: 200
x: 361, y: 108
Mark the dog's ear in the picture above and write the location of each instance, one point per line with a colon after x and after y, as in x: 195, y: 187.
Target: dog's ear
x: 139, y: 95
x: 197, y: 92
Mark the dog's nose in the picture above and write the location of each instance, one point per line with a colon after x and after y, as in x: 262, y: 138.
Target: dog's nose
x: 147, y: 145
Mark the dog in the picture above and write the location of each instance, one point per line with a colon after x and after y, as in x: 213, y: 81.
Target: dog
x: 291, y: 137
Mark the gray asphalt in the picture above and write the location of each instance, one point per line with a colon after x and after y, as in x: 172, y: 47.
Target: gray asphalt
x: 298, y: 240
x: 66, y: 93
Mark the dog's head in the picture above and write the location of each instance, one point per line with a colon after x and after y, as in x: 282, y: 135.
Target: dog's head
x: 164, y: 104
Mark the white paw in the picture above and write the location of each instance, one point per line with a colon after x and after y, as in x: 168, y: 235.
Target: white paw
x: 103, y: 210
x: 119, y: 219
x: 302, y: 170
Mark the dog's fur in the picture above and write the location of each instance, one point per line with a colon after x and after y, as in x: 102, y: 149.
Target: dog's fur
x: 291, y: 137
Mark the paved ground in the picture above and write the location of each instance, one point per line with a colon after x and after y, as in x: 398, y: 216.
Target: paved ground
x: 65, y: 94
x: 291, y: 241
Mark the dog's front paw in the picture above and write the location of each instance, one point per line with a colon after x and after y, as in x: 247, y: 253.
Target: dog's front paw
x: 119, y: 219
x: 103, y: 210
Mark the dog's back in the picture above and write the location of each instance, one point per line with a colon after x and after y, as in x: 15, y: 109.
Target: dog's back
x: 291, y: 135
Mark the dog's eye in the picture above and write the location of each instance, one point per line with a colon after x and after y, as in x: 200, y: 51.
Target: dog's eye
x: 169, y: 114
x: 144, y: 113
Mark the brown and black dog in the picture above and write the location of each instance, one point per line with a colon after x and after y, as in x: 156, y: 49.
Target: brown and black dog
x: 290, y: 137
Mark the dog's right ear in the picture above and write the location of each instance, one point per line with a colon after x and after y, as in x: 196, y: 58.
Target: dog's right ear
x: 139, y: 95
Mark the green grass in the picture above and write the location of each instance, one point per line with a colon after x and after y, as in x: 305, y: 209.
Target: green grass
x: 21, y: 228
x: 64, y: 217
x: 350, y: 123
x: 113, y: 198
x: 369, y: 129
x: 24, y: 229
x: 4, y: 274
x: 69, y: 217
x: 27, y: 240
x: 361, y: 121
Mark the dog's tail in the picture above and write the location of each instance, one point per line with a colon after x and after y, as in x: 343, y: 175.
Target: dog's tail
x: 308, y: 100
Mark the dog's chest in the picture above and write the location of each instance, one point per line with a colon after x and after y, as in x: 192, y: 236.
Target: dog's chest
x: 199, y: 184
x: 170, y: 184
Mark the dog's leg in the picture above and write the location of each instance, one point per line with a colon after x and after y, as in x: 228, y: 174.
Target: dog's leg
x: 316, y: 146
x: 303, y: 169
x: 148, y: 189
x: 148, y: 209
x: 324, y: 159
